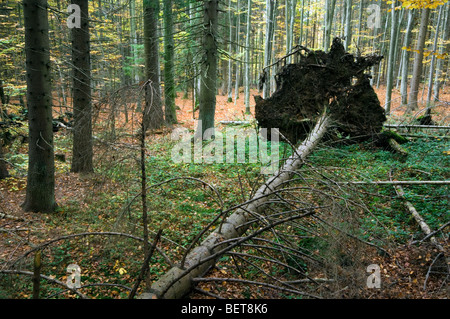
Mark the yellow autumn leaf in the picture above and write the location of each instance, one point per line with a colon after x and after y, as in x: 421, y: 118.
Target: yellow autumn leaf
x: 122, y: 271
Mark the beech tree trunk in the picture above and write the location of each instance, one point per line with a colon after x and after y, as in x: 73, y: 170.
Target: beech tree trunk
x: 405, y: 58
x: 418, y: 62
x: 392, y: 56
x: 207, y: 99
x: 3, y: 169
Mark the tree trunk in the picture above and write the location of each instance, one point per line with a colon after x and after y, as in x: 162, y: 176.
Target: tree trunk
x: 392, y: 55
x: 329, y: 15
x: 433, y: 60
x: 3, y: 169
x: 207, y: 100
x: 82, y: 105
x: 238, y: 50
x: 444, y: 48
x: 40, y: 192
x: 348, y: 25
x: 133, y: 35
x: 290, y: 13
x: 230, y: 61
x: 405, y: 58
x: 270, y: 10
x: 247, y: 57
x: 153, y: 113
x: 418, y: 62
x: 169, y: 75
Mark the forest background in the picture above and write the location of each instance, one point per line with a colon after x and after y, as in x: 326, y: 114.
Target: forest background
x: 158, y: 51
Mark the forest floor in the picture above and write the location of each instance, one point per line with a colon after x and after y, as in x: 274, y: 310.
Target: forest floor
x: 95, y: 203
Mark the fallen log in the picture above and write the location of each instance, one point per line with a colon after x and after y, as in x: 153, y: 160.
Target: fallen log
x: 436, y: 127
x: 419, y: 219
x: 178, y: 281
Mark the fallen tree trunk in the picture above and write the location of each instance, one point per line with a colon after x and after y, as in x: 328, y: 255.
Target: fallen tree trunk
x: 178, y: 281
x: 419, y: 219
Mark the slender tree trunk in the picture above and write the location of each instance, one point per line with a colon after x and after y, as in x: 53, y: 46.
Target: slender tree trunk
x: 348, y: 25
x: 169, y: 53
x: 82, y: 105
x: 391, y: 62
x: 329, y: 15
x: 361, y: 6
x: 208, y: 70
x: 405, y: 59
x: 40, y: 192
x: 302, y: 16
x: 133, y: 35
x: 290, y: 9
x: 238, y: 50
x: 247, y: 57
x: 230, y: 61
x: 418, y: 62
x: 433, y: 60
x: 153, y: 113
x: 444, y: 48
x: 3, y: 169
x: 270, y: 10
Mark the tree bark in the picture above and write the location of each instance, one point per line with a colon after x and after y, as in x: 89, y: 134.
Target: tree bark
x: 207, y: 99
x: 247, y: 58
x: 230, y: 62
x: 405, y: 58
x: 238, y: 51
x: 433, y: 60
x: 418, y: 62
x: 444, y: 48
x: 82, y: 103
x: 270, y: 9
x: 392, y: 56
x: 153, y: 113
x: 169, y: 53
x: 3, y: 169
x: 40, y: 191
x: 348, y: 25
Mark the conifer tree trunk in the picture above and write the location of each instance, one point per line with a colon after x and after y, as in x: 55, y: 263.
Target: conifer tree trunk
x: 230, y: 62
x: 169, y: 52
x: 82, y: 105
x: 153, y: 112
x: 40, y: 191
x: 207, y: 99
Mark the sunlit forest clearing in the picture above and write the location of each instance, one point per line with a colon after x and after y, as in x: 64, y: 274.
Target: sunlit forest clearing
x: 355, y: 208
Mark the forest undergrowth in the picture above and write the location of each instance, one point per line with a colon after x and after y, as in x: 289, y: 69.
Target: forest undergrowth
x: 98, y: 225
